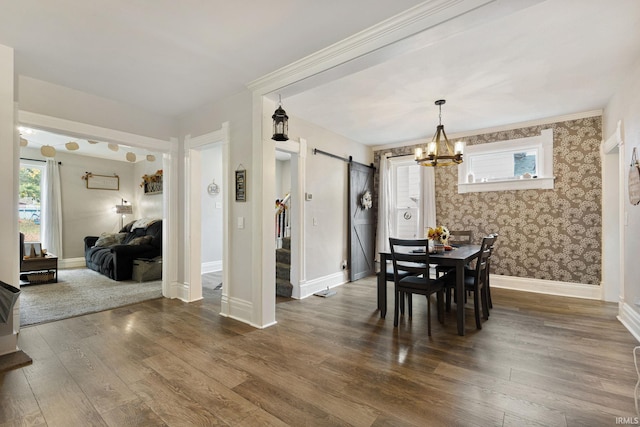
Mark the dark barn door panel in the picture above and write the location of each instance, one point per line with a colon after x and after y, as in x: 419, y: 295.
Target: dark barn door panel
x: 361, y: 223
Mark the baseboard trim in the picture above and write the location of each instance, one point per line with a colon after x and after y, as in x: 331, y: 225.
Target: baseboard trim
x: 72, y: 262
x: 238, y: 309
x: 550, y: 287
x: 308, y: 288
x: 180, y: 291
x: 630, y: 318
x: 210, y: 267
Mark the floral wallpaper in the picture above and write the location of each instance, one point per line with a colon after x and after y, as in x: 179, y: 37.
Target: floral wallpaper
x: 543, y: 234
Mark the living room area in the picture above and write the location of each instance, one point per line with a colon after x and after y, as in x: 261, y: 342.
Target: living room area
x: 90, y: 217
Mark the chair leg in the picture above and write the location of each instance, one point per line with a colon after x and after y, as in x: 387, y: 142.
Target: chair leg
x: 489, y: 293
x: 401, y: 295
x: 429, y: 315
x: 485, y: 303
x: 440, y: 301
x: 410, y: 304
x: 397, y: 308
x: 476, y: 307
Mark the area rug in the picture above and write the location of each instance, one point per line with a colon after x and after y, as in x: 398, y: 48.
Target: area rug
x: 80, y: 291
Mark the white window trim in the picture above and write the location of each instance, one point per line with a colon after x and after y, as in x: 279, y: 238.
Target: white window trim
x: 543, y: 143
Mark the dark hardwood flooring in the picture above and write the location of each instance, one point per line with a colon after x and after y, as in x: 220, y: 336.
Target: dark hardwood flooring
x: 538, y: 361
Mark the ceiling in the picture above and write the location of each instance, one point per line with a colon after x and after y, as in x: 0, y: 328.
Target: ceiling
x: 505, y: 62
x: 36, y: 139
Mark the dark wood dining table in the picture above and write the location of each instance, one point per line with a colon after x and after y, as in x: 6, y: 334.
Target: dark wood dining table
x: 458, y: 258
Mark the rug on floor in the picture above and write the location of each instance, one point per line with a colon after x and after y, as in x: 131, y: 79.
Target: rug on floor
x: 80, y: 291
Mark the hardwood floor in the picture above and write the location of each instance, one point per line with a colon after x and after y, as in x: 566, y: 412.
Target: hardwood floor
x: 539, y: 360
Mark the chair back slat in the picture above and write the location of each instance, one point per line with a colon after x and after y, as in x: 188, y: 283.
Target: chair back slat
x: 482, y: 262
x: 410, y: 255
x: 461, y: 237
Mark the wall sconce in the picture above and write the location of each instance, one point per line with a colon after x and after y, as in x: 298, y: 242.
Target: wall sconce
x: 280, y: 123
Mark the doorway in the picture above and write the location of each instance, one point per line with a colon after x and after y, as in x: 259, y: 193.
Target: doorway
x: 206, y: 212
x: 81, y: 211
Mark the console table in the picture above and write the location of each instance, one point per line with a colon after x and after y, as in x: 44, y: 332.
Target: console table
x: 47, y: 264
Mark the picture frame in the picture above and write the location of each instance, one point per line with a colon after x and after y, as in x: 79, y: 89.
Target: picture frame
x: 36, y: 246
x: 241, y: 185
x: 103, y: 182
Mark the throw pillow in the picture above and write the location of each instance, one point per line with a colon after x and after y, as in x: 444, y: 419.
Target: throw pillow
x: 142, y: 240
x: 110, y: 239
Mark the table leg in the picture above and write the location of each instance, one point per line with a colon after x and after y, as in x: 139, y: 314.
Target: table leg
x: 460, y: 301
x: 382, y: 286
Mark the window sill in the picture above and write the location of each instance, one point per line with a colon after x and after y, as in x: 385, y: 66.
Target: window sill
x: 545, y: 183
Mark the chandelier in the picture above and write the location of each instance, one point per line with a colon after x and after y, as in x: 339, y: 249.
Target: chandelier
x: 439, y: 151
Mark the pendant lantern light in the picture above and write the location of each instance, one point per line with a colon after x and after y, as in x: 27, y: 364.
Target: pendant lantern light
x: 280, y: 123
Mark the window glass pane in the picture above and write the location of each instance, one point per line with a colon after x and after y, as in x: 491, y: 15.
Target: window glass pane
x: 29, y: 203
x: 503, y: 165
x: 407, y: 186
x: 524, y: 163
x: 492, y: 166
x: 406, y: 214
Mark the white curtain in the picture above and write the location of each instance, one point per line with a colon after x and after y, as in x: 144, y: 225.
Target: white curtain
x: 384, y: 207
x: 428, y: 198
x: 51, y: 206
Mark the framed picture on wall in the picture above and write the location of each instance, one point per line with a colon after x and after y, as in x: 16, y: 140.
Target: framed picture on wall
x: 241, y: 185
x: 102, y: 182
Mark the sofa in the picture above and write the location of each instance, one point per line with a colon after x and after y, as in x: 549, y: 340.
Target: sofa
x: 112, y: 254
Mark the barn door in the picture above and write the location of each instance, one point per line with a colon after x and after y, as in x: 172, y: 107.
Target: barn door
x: 361, y: 222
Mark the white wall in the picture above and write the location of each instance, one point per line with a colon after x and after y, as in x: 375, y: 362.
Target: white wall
x: 211, y: 207
x: 326, y: 242
x: 146, y: 205
x: 283, y: 178
x: 8, y: 177
x: 625, y: 106
x: 37, y: 96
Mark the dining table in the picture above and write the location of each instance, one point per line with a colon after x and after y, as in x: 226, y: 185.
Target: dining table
x: 457, y: 258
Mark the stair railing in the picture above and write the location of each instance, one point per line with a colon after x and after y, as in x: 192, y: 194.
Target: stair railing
x: 282, y: 220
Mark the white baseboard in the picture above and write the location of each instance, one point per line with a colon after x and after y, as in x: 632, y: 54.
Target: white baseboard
x: 72, y: 262
x: 310, y: 287
x: 239, y: 309
x: 551, y: 287
x: 630, y: 318
x: 210, y: 267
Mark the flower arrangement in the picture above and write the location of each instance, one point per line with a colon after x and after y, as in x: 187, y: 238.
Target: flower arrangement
x: 147, y: 179
x: 439, y: 234
x: 366, y: 200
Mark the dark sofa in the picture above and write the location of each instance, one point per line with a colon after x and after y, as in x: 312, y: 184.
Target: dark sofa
x: 115, y: 253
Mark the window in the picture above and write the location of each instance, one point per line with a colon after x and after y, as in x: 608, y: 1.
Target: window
x: 405, y: 192
x: 29, y: 201
x: 517, y: 164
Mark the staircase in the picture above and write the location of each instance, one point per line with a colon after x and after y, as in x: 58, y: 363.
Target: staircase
x: 283, y: 269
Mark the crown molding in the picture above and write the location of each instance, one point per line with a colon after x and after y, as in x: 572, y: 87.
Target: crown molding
x: 396, y: 28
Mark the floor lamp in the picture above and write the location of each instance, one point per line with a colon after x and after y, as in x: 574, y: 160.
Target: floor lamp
x: 124, y: 208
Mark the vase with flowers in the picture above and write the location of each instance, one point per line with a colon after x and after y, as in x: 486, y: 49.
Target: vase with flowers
x: 439, y: 236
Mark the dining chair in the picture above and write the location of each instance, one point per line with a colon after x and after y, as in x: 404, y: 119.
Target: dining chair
x: 461, y: 237
x: 456, y: 238
x: 475, y: 281
x: 491, y: 249
x: 389, y: 276
x: 412, y: 256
